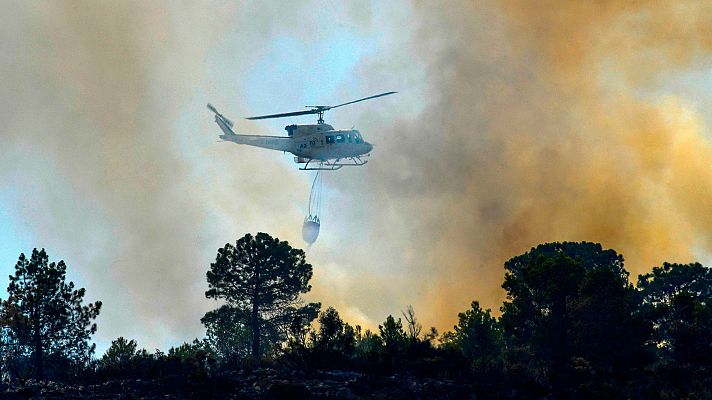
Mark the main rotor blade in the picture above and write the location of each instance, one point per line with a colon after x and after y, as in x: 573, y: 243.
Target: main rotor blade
x: 365, y: 98
x: 290, y: 114
x: 317, y: 109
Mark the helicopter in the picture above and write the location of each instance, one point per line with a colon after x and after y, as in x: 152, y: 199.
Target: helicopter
x: 318, y: 146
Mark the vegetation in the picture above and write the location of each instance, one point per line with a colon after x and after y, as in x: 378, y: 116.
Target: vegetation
x: 568, y: 305
x: 478, y: 337
x: 44, y: 318
x: 572, y: 326
x: 260, y: 278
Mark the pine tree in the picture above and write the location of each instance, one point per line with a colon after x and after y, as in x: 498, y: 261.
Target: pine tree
x: 478, y: 337
x: 46, y: 314
x: 260, y: 278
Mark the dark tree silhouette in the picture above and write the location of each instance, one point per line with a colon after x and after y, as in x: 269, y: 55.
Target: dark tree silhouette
x: 123, y: 359
x: 334, y: 335
x: 368, y: 344
x: 46, y: 313
x: 260, y: 278
x: 393, y: 335
x: 607, y: 328
x: 536, y: 317
x: 571, y: 303
x: 690, y: 331
x: 663, y: 283
x: 121, y: 352
x: 478, y: 337
x: 334, y: 342
x: 228, y: 332
x: 677, y: 299
x: 414, y: 327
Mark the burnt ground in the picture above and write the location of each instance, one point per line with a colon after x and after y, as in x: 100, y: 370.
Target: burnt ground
x: 264, y: 383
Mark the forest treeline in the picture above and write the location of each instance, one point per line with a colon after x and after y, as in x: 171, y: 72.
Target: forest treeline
x: 572, y: 326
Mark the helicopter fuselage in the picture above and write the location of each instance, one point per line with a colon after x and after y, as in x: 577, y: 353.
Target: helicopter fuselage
x: 320, y: 142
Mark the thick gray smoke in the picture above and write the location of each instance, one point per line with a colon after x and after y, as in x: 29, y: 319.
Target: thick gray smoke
x: 98, y: 162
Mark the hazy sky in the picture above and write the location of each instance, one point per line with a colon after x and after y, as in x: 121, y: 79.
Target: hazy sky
x: 516, y: 123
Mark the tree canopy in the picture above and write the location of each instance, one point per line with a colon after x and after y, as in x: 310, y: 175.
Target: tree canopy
x: 572, y: 302
x: 45, y: 314
x: 260, y: 278
x: 479, y: 337
x: 677, y: 300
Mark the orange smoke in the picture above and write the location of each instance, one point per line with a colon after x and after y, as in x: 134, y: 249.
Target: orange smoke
x: 546, y: 122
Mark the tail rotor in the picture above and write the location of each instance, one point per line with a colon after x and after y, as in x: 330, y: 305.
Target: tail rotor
x: 218, y: 115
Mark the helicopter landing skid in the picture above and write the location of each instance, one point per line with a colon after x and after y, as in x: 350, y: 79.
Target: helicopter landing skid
x: 333, y: 164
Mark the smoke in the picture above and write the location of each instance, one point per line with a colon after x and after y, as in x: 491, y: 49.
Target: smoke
x: 544, y: 122
x: 100, y: 163
x: 516, y: 123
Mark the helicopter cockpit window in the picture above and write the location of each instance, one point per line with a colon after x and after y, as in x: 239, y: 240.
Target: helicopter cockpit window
x: 357, y: 138
x: 340, y: 138
x: 329, y: 139
x: 348, y: 137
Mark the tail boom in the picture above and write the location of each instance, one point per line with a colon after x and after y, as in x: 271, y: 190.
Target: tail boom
x: 280, y: 143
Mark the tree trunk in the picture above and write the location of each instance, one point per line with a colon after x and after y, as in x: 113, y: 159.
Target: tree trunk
x: 561, y: 350
x: 255, y: 316
x: 38, y: 350
x: 255, y: 330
